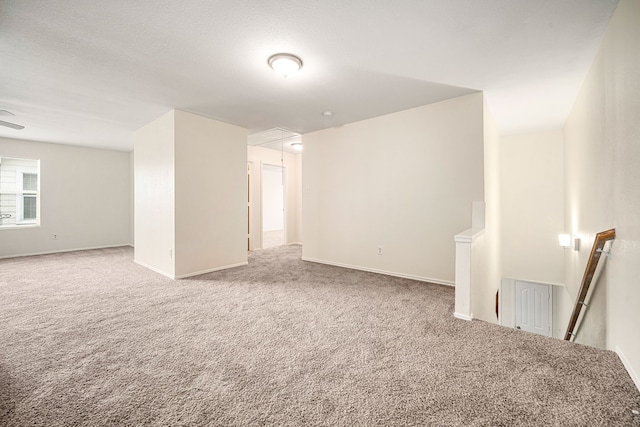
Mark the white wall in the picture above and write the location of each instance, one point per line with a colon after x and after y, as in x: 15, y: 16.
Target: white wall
x: 211, y: 194
x: 403, y: 181
x: 532, y: 194
x: 602, y: 185
x: 132, y: 202
x: 84, y: 199
x: 485, y: 249
x: 531, y: 217
x: 190, y: 195
x: 154, y: 212
x: 257, y: 156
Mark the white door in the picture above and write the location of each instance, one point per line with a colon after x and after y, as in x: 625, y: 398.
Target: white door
x: 533, y: 307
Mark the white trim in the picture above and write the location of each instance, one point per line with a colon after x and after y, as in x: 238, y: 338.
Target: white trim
x: 284, y: 199
x: 142, y: 264
x: 20, y: 226
x: 468, y: 236
x: 535, y: 282
x: 500, y: 318
x: 21, y: 193
x: 634, y: 376
x: 197, y: 273
x: 65, y: 250
x: 286, y: 244
x: 462, y: 316
x: 387, y: 273
x: 211, y: 270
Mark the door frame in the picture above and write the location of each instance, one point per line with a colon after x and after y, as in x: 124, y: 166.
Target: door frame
x: 284, y: 200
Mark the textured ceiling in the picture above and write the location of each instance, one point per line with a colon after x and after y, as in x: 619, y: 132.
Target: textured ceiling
x: 92, y: 72
x: 276, y: 139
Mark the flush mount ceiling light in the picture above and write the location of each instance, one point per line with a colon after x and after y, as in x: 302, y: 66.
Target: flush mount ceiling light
x: 285, y: 64
x: 297, y: 146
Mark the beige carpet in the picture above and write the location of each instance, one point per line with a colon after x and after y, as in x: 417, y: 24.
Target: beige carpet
x: 90, y: 338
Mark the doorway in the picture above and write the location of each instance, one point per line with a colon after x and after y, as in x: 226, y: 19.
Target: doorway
x: 273, y: 206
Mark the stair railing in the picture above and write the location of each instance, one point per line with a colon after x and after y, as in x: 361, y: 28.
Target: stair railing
x: 597, y: 250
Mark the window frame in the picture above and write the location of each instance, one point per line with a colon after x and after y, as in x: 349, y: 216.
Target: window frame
x: 19, y: 192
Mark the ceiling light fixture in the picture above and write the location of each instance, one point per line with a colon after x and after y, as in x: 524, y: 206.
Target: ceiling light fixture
x: 8, y: 124
x: 297, y: 146
x: 11, y: 125
x: 285, y: 64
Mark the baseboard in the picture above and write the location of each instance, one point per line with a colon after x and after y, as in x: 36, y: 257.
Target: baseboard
x: 271, y: 247
x: 387, y: 273
x: 211, y: 270
x: 142, y: 264
x: 462, y: 316
x: 197, y: 273
x: 59, y: 251
x: 632, y: 373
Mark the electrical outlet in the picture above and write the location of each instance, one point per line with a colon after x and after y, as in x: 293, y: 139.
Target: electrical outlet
x: 379, y: 250
x: 55, y: 236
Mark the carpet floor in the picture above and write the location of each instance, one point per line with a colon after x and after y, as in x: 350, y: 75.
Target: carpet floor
x: 90, y: 338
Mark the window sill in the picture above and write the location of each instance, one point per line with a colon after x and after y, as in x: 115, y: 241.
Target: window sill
x: 18, y: 226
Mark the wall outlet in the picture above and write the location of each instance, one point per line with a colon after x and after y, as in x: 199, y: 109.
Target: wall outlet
x: 379, y: 250
x: 54, y: 236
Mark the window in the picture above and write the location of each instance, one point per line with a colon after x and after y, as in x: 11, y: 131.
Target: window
x: 19, y: 192
x: 27, y: 197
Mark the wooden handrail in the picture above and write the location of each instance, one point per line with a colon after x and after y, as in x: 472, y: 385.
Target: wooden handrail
x: 601, y: 238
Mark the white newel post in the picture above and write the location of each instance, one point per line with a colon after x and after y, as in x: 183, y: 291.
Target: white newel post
x: 464, y: 246
x: 463, y: 275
